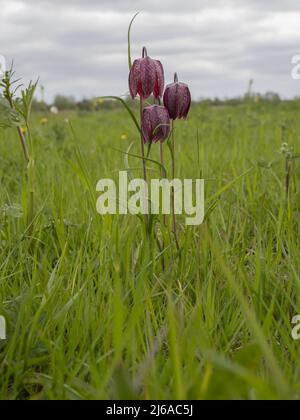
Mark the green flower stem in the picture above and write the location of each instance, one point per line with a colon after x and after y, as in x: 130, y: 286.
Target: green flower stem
x: 143, y: 154
x: 173, y: 189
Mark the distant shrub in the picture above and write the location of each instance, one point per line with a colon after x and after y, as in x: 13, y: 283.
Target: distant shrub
x: 39, y: 106
x: 64, y: 103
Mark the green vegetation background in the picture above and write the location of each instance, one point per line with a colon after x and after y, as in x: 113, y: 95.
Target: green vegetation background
x: 92, y: 313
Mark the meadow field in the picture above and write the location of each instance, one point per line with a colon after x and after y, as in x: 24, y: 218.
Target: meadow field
x: 98, y: 309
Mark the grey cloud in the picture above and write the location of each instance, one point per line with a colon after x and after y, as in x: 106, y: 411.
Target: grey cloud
x: 166, y: 5
x: 79, y: 47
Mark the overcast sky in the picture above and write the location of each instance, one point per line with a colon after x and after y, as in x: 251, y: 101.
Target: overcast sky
x: 79, y: 47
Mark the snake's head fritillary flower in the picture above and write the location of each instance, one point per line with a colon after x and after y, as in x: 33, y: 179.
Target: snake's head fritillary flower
x: 177, y: 99
x: 146, y: 77
x: 155, y: 124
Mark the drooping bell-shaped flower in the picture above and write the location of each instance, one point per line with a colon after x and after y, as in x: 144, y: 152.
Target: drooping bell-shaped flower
x: 177, y: 99
x: 155, y: 124
x: 146, y: 77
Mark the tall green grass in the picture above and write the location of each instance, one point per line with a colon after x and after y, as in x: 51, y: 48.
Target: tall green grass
x: 91, y: 312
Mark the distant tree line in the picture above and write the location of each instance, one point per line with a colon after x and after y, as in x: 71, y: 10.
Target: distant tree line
x: 69, y: 103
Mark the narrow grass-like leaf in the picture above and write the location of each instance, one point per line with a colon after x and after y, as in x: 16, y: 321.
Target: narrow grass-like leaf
x: 228, y: 186
x: 129, y: 40
x: 117, y: 98
x: 156, y: 162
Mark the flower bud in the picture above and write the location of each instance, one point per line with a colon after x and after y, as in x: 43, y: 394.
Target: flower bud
x: 155, y: 124
x: 177, y: 99
x: 146, y: 77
